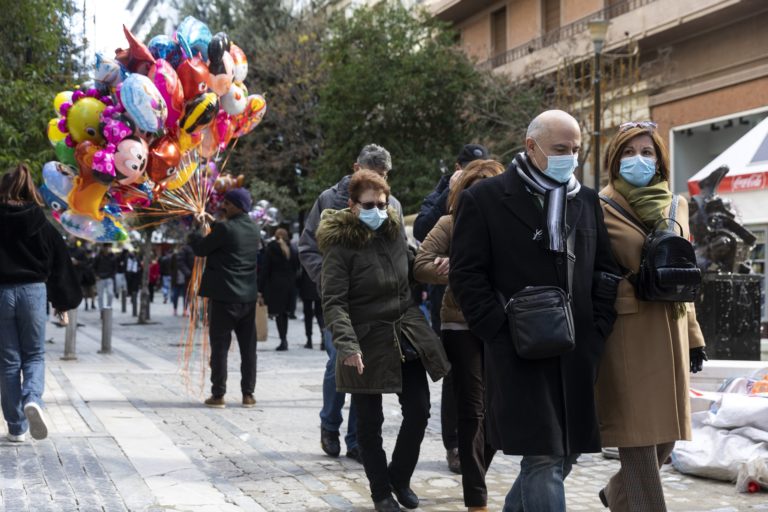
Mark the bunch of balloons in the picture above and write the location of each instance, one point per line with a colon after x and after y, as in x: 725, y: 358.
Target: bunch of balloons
x: 264, y: 214
x: 153, y: 116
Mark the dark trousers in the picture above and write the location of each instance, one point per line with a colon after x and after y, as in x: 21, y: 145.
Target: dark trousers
x: 282, y: 325
x: 465, y: 352
x: 414, y: 404
x: 223, y: 319
x: 448, y: 420
x: 312, y: 309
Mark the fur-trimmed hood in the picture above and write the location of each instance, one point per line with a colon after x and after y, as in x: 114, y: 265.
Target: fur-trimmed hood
x: 342, y: 227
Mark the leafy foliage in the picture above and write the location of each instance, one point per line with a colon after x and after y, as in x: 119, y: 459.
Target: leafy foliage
x: 39, y: 59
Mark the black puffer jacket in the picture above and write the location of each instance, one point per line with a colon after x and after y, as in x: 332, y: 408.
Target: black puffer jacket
x: 32, y: 251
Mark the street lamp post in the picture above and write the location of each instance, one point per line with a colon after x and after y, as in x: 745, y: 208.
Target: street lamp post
x: 597, y: 31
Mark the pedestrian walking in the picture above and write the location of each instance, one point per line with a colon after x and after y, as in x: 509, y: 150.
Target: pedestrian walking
x: 642, y: 386
x: 154, y: 278
x: 511, y: 232
x: 133, y: 270
x: 180, y: 274
x: 121, y: 282
x: 105, y: 268
x: 35, y: 268
x: 277, y: 281
x: 465, y: 350
x: 433, y: 208
x: 312, y: 306
x: 165, y: 275
x: 373, y: 158
x: 229, y: 281
x: 367, y: 302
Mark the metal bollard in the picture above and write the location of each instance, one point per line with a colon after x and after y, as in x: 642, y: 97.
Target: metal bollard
x: 70, y: 336
x: 122, y: 300
x: 106, y: 331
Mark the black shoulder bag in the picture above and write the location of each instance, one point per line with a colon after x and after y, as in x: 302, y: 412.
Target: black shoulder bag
x: 540, y: 317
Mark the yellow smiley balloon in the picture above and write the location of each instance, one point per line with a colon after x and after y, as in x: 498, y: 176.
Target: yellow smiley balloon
x: 54, y: 134
x: 83, y: 120
x: 60, y: 99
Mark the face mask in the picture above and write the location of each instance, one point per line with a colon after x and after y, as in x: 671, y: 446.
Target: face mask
x: 637, y: 170
x: 560, y: 167
x: 373, y: 218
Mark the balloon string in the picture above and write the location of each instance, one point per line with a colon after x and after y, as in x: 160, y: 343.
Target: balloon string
x: 226, y: 160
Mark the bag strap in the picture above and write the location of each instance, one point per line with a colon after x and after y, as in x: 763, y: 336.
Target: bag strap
x: 673, y: 212
x: 571, y: 255
x: 616, y: 206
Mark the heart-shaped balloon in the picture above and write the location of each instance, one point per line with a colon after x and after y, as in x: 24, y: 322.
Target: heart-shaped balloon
x: 252, y: 116
x: 168, y: 84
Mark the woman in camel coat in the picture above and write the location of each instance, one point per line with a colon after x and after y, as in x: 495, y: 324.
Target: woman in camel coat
x: 642, y: 386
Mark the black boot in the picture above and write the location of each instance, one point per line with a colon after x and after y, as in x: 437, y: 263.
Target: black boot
x: 308, y: 344
x: 283, y: 345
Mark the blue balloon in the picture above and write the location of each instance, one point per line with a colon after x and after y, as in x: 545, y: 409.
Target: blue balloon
x: 58, y: 179
x: 193, y: 36
x: 53, y: 201
x: 164, y: 47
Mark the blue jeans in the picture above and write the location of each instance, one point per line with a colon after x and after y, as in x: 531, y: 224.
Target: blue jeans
x: 333, y: 402
x: 539, y: 486
x: 22, y: 351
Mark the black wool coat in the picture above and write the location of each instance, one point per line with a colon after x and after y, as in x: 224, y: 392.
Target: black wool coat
x: 277, y: 277
x: 546, y: 406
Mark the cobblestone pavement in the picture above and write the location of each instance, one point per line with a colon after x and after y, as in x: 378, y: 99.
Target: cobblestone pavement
x: 128, y: 433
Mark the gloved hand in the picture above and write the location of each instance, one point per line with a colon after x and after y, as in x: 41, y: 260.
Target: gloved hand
x: 697, y: 356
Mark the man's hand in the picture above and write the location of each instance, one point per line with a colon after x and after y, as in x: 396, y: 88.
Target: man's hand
x: 355, y: 360
x: 442, y: 265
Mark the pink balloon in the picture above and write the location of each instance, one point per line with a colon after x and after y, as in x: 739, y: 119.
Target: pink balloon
x: 167, y: 82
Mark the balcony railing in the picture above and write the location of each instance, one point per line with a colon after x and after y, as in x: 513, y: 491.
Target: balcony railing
x: 563, y: 33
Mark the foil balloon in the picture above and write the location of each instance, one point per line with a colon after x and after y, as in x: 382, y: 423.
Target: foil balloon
x: 194, y: 77
x: 55, y: 135
x: 65, y: 153
x: 105, y: 230
x: 182, y: 176
x: 164, y: 157
x: 130, y: 160
x: 235, y: 101
x: 240, y: 180
x: 54, y: 202
x: 189, y: 141
x: 199, y: 112
x: 164, y: 47
x: 107, y: 72
x: 221, y: 81
x: 223, y: 129
x: 114, y: 127
x: 218, y: 46
x: 137, y: 58
x: 240, y: 61
x: 88, y: 192
x: 80, y: 117
x: 128, y: 197
x: 58, y: 178
x: 60, y: 99
x: 210, y: 145
x: 194, y: 36
x: 143, y: 103
x: 168, y: 84
x: 252, y: 116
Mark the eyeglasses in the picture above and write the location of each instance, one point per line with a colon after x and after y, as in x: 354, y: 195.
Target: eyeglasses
x: 368, y: 205
x: 649, y: 125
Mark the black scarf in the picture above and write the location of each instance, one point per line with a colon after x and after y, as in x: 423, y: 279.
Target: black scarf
x: 555, y: 197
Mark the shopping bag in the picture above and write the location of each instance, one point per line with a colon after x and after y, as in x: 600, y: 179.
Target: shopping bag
x: 262, y: 323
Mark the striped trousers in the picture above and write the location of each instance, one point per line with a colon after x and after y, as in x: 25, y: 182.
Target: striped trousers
x: 636, y: 487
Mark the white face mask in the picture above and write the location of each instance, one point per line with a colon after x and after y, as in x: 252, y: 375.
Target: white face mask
x: 560, y: 167
x: 373, y: 218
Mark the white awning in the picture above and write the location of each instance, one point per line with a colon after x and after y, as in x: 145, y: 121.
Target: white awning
x: 747, y: 160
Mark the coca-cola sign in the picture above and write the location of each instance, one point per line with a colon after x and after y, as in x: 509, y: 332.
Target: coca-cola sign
x: 748, y: 182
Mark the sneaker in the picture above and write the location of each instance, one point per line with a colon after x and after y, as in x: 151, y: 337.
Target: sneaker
x: 216, y: 402
x: 248, y: 400
x: 329, y: 441
x: 38, y: 428
x: 454, y: 463
x: 20, y: 438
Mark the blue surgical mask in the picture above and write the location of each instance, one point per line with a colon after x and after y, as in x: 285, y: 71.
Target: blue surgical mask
x: 373, y: 218
x: 638, y: 170
x: 560, y: 167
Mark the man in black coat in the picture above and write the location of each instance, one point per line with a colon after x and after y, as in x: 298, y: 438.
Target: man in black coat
x: 510, y: 232
x: 434, y: 206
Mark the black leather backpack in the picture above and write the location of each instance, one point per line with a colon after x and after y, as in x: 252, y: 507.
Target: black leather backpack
x: 668, y: 270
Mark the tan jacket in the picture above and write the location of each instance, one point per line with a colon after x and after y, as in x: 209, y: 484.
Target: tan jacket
x: 642, y: 384
x: 438, y: 244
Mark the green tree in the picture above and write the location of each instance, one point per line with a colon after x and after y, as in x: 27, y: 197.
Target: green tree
x: 39, y: 59
x: 396, y: 79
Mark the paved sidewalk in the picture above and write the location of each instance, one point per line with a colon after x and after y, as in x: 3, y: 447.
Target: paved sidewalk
x: 127, y: 433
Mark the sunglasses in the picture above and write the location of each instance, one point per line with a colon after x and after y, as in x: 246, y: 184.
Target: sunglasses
x: 649, y: 125
x: 369, y: 205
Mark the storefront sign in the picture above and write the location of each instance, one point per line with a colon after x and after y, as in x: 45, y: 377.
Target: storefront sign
x: 737, y: 183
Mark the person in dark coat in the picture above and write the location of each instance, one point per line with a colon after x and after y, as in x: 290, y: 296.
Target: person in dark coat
x: 230, y: 283
x: 383, y: 342
x: 277, y: 281
x: 105, y: 268
x: 511, y: 232
x: 165, y: 276
x: 35, y: 268
x: 180, y: 273
x: 432, y: 209
x: 313, y: 307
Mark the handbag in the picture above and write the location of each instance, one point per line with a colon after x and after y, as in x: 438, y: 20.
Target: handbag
x: 262, y: 325
x: 540, y: 317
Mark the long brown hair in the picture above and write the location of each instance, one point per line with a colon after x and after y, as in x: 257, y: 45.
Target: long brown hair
x: 281, y: 236
x: 472, y: 173
x: 17, y: 186
x: 617, y: 144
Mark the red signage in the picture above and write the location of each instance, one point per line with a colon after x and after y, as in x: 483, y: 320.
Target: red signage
x: 738, y: 183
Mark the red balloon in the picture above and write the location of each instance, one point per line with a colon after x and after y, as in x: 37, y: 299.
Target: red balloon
x: 194, y: 77
x: 137, y: 58
x: 164, y: 157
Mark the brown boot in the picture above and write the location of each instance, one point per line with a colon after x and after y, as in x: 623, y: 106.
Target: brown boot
x: 478, y: 509
x: 248, y: 400
x: 217, y: 402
